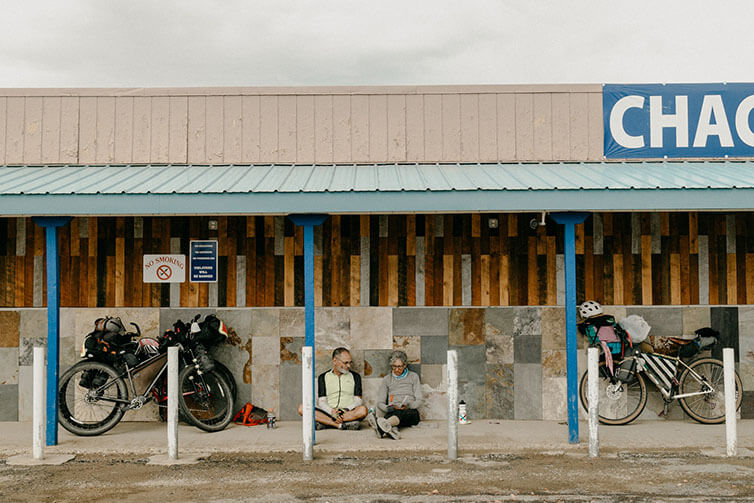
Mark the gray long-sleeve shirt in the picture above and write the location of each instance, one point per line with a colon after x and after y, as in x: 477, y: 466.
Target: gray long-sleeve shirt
x: 394, y: 391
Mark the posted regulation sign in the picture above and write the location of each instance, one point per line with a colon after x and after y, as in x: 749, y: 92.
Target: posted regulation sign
x: 203, y: 256
x: 164, y: 268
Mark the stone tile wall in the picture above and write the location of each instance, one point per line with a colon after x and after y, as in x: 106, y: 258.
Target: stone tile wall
x: 512, y: 360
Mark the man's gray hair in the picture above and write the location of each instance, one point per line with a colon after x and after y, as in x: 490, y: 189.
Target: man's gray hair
x: 398, y: 355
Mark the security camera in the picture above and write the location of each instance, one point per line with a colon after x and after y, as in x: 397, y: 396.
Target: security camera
x: 534, y: 223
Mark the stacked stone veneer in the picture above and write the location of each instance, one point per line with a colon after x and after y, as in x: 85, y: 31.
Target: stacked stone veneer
x: 511, y: 359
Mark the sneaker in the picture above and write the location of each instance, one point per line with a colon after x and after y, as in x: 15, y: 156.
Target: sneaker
x: 319, y: 426
x: 350, y: 425
x: 372, y: 420
x: 384, y: 425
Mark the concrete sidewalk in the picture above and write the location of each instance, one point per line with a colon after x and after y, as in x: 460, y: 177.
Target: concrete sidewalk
x: 431, y: 436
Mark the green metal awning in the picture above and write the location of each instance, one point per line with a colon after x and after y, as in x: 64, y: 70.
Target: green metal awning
x: 375, y: 188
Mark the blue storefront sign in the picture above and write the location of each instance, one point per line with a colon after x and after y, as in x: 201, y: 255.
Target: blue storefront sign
x: 678, y: 120
x: 203, y: 265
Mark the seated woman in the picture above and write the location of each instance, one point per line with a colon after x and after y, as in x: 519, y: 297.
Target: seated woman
x: 399, y: 398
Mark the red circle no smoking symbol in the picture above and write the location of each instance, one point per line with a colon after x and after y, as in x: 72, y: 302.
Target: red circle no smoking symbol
x: 164, y: 272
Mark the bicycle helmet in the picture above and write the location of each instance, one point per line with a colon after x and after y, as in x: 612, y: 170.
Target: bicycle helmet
x: 590, y: 308
x: 148, y: 347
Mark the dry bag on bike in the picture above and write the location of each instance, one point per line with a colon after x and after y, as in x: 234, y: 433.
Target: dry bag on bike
x: 107, y: 342
x: 213, y: 331
x: 703, y: 339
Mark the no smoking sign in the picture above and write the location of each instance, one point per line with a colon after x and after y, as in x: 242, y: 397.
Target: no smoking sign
x: 164, y: 268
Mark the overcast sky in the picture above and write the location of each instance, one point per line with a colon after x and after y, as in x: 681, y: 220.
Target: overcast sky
x: 109, y: 43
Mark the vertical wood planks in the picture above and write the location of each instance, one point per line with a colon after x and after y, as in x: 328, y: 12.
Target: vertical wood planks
x: 178, y: 130
x: 51, y: 113
x: 105, y: 124
x: 462, y: 261
x: 124, y: 123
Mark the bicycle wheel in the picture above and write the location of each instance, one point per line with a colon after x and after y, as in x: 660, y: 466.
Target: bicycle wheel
x: 228, y: 376
x: 708, y: 408
x: 82, y: 406
x: 205, y: 399
x: 619, y: 403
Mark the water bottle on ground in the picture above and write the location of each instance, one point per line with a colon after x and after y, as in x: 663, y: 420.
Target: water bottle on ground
x: 462, y: 418
x: 270, y: 419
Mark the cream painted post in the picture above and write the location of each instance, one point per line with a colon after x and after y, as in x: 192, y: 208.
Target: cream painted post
x: 38, y: 419
x: 452, y: 404
x: 307, y: 390
x: 594, y: 401
x: 173, y: 402
x: 731, y: 435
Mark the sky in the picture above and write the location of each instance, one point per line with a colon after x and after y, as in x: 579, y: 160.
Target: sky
x: 158, y: 43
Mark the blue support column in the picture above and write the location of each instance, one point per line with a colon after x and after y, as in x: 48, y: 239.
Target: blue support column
x: 308, y: 222
x: 569, y: 220
x: 53, y: 321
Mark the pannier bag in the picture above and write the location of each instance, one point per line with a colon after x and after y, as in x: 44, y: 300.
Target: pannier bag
x: 603, y: 331
x: 93, y: 378
x: 626, y: 370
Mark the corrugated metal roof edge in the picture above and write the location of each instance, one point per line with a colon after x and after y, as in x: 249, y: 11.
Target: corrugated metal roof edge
x: 593, y: 200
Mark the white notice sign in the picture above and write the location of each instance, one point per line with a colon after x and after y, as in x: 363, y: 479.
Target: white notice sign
x: 164, y: 268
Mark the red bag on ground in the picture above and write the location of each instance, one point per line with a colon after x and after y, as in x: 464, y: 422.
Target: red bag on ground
x: 250, y: 415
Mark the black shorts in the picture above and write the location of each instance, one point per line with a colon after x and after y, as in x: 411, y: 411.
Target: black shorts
x: 407, y: 417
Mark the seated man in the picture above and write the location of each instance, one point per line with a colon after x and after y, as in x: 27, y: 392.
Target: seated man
x: 399, y: 398
x: 339, y: 404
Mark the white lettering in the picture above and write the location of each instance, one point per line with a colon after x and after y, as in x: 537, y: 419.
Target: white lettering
x: 616, y: 122
x: 742, y: 121
x: 713, y: 105
x: 659, y: 121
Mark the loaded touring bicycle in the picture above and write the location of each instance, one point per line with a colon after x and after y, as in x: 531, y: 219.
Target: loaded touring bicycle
x: 625, y: 367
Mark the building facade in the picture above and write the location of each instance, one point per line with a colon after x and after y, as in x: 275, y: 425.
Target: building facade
x: 488, y: 283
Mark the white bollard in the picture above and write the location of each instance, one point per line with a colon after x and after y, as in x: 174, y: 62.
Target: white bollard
x: 731, y: 435
x: 307, y: 392
x: 38, y: 419
x: 593, y: 356
x: 173, y: 402
x: 452, y: 404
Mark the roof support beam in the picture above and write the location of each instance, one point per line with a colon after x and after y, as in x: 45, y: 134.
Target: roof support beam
x: 569, y: 220
x: 53, y: 322
x: 308, y: 222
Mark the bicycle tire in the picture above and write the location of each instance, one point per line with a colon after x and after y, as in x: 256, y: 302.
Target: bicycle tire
x: 205, y: 399
x: 619, y: 403
x: 708, y: 408
x: 79, y: 409
x: 228, y: 376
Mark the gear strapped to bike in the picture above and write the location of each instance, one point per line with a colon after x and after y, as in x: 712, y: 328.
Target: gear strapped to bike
x: 95, y: 393
x: 697, y: 385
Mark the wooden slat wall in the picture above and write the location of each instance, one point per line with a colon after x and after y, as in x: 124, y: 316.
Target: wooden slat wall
x: 451, y: 124
x: 622, y: 259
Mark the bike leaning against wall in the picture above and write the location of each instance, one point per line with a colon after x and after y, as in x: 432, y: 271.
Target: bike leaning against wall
x: 626, y: 366
x: 95, y: 393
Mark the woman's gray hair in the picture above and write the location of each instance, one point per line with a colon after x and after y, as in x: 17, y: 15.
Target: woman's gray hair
x: 398, y: 355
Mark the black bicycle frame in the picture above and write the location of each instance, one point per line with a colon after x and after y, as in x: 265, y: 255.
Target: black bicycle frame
x: 129, y: 373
